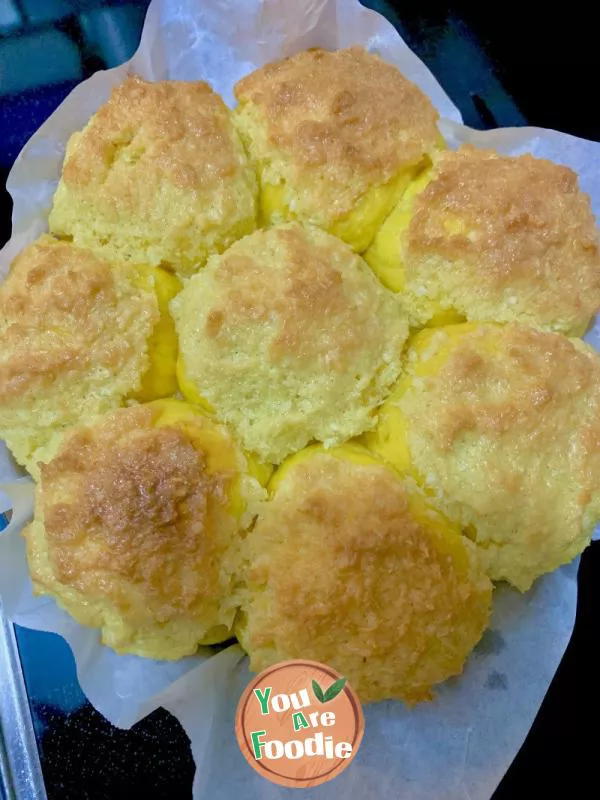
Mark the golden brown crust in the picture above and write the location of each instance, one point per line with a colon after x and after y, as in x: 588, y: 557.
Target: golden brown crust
x: 347, y: 111
x: 65, y: 313
x: 529, y: 364
x: 526, y: 228
x: 290, y: 337
x: 340, y: 571
x: 302, y: 292
x: 505, y: 426
x: 129, y: 504
x: 158, y: 176
x: 138, y: 525
x: 178, y: 129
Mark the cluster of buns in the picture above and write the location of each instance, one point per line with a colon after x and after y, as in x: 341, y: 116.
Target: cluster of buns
x: 298, y: 374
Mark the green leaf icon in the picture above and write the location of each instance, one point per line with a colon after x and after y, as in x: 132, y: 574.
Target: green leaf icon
x: 332, y: 692
x: 318, y: 692
x: 335, y: 688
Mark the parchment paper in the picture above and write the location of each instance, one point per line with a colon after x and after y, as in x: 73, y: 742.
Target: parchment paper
x: 458, y: 746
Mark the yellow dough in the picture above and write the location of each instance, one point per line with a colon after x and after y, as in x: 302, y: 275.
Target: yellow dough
x: 500, y: 426
x: 289, y: 338
x: 336, y: 138
x: 79, y: 337
x: 481, y: 236
x: 158, y: 176
x: 138, y: 524
x: 349, y: 565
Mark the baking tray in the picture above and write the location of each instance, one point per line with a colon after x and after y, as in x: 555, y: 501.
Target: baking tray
x: 20, y: 767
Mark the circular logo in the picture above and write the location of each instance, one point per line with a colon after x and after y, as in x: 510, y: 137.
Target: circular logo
x: 299, y: 723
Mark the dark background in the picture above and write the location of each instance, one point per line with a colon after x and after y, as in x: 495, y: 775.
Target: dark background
x: 502, y: 67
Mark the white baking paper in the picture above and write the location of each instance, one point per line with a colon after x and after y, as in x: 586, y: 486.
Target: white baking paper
x: 457, y: 747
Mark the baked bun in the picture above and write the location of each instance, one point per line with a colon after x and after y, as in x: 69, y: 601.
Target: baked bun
x: 289, y: 337
x: 79, y: 336
x: 494, y: 238
x: 137, y: 528
x: 158, y: 176
x: 501, y: 426
x: 336, y: 137
x: 348, y: 565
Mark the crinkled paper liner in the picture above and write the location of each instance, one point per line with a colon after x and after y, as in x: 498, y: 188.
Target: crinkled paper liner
x: 460, y: 745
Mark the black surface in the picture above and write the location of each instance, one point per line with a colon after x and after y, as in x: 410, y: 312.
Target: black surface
x: 500, y: 68
x: 83, y: 756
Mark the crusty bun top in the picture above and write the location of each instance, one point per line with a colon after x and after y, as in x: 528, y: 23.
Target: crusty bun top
x: 502, y: 425
x: 158, y: 176
x: 518, y: 237
x: 289, y: 337
x: 345, y: 120
x: 348, y: 565
x: 75, y: 334
x: 137, y: 527
x: 178, y: 129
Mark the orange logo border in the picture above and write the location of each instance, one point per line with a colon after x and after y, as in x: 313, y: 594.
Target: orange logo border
x: 268, y: 773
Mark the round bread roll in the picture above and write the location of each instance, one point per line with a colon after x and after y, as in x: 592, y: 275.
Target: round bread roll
x: 137, y: 528
x: 336, y: 138
x: 158, y: 176
x: 494, y: 238
x: 348, y: 565
x: 289, y: 337
x: 501, y: 426
x: 79, y: 336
